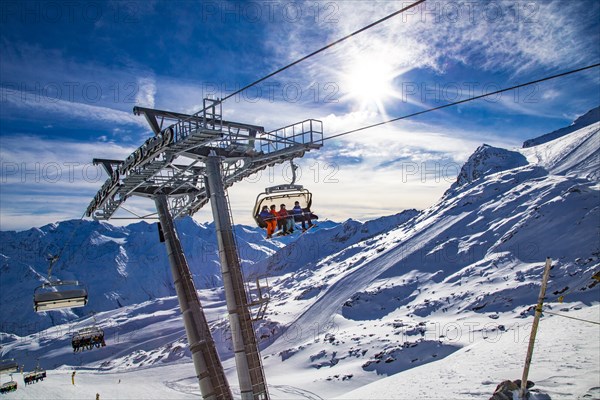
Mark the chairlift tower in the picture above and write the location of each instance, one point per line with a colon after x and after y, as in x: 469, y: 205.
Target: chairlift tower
x: 192, y: 160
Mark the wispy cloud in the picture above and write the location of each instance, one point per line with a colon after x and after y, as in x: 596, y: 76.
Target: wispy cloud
x: 56, y: 177
x: 508, y: 35
x: 66, y: 109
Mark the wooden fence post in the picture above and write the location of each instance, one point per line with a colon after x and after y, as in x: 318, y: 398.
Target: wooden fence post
x: 536, y: 321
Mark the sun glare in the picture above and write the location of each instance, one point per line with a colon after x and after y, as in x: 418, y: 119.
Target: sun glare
x: 368, y: 82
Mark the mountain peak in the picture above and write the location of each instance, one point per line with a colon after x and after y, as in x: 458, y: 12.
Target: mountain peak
x: 586, y: 119
x: 488, y: 160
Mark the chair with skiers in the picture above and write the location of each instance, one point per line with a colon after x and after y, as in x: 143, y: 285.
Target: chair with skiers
x: 87, y: 339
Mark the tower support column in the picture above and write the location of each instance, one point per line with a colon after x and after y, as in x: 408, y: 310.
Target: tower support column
x: 209, y: 370
x: 250, y: 372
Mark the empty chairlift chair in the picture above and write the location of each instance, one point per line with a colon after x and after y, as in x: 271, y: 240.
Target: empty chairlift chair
x: 55, y: 294
x: 59, y: 294
x: 8, y: 366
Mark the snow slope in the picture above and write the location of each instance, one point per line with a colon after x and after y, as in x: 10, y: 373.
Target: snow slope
x: 119, y: 265
x: 577, y: 154
x: 477, y: 255
x: 434, y: 304
x: 565, y: 364
x: 586, y: 119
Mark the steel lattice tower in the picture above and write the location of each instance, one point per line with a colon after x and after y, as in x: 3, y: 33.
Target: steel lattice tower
x: 183, y: 166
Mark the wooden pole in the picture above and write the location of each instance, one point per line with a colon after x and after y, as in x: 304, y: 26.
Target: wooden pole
x: 536, y: 321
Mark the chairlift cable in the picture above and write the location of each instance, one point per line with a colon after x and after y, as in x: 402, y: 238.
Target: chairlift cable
x: 324, y: 48
x: 464, y: 101
x: 53, y: 258
x: 364, y: 28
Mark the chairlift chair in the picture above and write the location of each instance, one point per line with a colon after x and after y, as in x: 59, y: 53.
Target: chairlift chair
x: 8, y: 365
x: 87, y: 339
x: 55, y: 294
x: 8, y: 386
x: 38, y: 374
x: 281, y: 194
x: 286, y: 194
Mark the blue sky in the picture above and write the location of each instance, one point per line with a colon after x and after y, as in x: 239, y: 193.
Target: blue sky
x: 71, y: 72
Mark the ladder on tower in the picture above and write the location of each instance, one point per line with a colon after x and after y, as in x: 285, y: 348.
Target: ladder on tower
x: 255, y: 368
x: 261, y: 299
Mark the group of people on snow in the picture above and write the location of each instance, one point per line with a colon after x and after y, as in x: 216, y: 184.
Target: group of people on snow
x: 285, y: 219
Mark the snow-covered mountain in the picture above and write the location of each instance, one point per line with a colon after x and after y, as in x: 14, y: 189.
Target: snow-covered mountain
x: 128, y: 265
x: 434, y: 304
x: 585, y: 120
x: 119, y: 265
x: 386, y: 304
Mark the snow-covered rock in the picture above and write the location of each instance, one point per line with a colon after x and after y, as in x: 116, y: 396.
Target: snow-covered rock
x: 487, y: 160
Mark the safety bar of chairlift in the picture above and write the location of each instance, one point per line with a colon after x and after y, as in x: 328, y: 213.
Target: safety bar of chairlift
x: 281, y: 192
x: 88, y: 329
x: 283, y: 188
x: 88, y: 332
x: 57, y: 283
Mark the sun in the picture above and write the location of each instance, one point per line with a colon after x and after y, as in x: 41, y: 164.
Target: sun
x: 368, y: 82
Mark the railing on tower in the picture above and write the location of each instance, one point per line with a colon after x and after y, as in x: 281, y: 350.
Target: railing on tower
x: 308, y: 132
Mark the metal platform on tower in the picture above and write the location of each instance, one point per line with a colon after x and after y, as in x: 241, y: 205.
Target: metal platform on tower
x: 172, y: 161
x: 190, y: 160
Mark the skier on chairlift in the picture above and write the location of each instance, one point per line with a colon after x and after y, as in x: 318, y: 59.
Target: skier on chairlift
x: 287, y: 220
x: 270, y: 220
x: 302, y: 215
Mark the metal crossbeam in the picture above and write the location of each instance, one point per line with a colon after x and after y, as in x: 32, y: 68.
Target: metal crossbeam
x: 152, y: 115
x: 151, y: 168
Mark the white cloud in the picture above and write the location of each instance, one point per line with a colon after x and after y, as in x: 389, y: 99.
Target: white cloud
x: 44, y: 180
x: 146, y: 92
x: 551, y: 94
x: 70, y: 109
x: 499, y: 36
